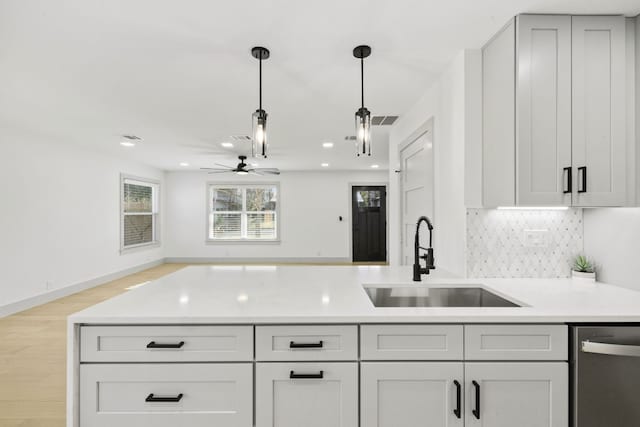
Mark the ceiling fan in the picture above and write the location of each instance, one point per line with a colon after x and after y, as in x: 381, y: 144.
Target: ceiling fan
x: 243, y: 169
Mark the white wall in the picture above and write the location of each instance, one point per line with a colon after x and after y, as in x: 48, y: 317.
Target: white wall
x: 59, y: 220
x: 447, y: 102
x: 310, y: 204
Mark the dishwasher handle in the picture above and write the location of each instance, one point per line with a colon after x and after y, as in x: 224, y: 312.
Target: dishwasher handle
x: 611, y: 349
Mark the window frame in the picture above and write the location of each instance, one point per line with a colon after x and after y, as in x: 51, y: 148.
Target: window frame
x: 155, y: 184
x: 243, y: 186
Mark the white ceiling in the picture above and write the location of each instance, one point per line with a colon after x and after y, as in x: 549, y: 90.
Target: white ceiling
x: 179, y: 73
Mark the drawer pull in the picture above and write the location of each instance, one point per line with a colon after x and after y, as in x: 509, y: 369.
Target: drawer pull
x: 294, y: 376
x: 476, y: 410
x: 293, y: 344
x: 458, y: 411
x: 154, y: 344
x: 152, y: 398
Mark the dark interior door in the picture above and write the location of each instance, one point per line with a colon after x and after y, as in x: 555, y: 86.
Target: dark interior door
x: 369, y: 213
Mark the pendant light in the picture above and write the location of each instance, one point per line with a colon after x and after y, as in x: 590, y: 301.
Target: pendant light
x: 259, y: 118
x: 363, y: 115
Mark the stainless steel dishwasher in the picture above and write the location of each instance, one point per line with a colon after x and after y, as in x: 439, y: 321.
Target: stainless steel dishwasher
x: 605, y: 376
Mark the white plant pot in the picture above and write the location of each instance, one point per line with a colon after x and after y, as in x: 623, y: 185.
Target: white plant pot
x: 583, y: 276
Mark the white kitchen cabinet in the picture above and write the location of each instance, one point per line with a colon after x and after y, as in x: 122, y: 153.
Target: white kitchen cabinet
x: 307, y: 394
x: 599, y: 110
x: 411, y: 342
x: 414, y: 394
x: 554, y: 113
x: 516, y: 394
x: 166, y: 395
x: 306, y: 342
x: 516, y: 342
x: 543, y: 110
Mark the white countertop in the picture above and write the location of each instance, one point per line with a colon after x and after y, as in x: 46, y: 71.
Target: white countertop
x: 305, y: 294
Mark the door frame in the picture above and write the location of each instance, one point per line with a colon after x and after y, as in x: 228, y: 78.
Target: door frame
x: 426, y: 126
x: 350, y: 186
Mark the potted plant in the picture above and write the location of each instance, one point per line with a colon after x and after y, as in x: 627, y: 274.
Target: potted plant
x: 583, y: 268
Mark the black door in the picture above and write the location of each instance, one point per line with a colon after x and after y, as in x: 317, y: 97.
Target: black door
x: 369, y: 213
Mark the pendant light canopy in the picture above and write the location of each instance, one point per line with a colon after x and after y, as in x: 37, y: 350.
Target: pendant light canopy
x: 259, y: 118
x: 363, y: 115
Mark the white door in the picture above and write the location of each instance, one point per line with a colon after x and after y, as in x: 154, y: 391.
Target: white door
x: 307, y: 394
x: 411, y: 394
x: 599, y: 134
x: 166, y: 395
x: 543, y: 110
x: 516, y: 394
x: 416, y: 182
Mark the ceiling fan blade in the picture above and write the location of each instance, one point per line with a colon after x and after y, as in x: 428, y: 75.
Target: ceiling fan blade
x: 214, y: 169
x: 224, y: 166
x: 268, y: 171
x: 219, y: 171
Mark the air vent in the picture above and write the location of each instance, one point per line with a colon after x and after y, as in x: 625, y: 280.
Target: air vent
x: 240, y: 138
x: 132, y: 137
x: 383, y: 120
x: 350, y: 138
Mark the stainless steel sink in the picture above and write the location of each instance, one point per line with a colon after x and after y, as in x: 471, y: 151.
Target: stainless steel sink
x: 435, y: 297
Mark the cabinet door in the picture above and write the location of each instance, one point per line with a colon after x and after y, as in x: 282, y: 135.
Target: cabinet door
x: 517, y: 394
x: 411, y: 394
x: 307, y: 394
x: 543, y: 110
x: 599, y: 147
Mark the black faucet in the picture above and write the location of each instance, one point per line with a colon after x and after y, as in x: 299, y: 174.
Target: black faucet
x: 428, y: 257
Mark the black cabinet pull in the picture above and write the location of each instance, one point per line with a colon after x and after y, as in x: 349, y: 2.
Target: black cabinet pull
x: 154, y: 344
x: 152, y: 398
x: 583, y: 174
x: 476, y: 410
x: 457, y: 411
x: 293, y: 344
x: 569, y: 188
x: 295, y: 376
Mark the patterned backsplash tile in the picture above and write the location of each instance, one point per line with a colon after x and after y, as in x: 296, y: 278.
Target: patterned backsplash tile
x: 522, y: 243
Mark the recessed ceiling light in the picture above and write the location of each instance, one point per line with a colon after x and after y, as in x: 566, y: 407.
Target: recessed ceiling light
x: 324, y: 165
x: 327, y: 144
x: 127, y: 144
x: 227, y: 144
x: 375, y: 166
x: 184, y: 164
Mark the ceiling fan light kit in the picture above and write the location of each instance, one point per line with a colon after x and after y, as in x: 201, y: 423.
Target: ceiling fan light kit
x: 259, y: 118
x: 363, y: 115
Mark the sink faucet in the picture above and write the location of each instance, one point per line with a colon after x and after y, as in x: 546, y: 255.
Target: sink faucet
x: 428, y: 257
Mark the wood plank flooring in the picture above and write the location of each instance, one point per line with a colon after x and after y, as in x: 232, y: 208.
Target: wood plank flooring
x: 33, y: 353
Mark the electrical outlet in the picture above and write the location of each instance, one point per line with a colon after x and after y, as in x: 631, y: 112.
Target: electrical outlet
x: 536, y: 238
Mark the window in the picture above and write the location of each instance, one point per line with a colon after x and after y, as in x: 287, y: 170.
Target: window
x: 243, y: 212
x: 139, y: 212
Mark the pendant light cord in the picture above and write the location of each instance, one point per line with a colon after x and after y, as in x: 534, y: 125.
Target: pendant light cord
x: 260, y: 84
x: 362, y: 81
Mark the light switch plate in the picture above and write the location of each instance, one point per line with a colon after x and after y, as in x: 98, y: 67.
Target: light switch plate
x: 536, y: 238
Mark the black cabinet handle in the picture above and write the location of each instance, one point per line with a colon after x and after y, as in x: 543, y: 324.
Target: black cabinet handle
x: 476, y: 410
x: 457, y: 411
x: 569, y: 188
x: 583, y: 174
x: 152, y: 398
x: 154, y: 344
x: 294, y: 376
x: 293, y: 344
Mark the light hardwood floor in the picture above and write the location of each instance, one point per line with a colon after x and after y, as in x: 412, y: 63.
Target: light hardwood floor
x: 33, y: 352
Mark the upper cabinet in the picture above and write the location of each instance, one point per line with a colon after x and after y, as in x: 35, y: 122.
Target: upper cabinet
x: 554, y: 113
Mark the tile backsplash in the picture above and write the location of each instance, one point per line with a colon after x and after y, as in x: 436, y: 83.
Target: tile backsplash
x: 522, y: 243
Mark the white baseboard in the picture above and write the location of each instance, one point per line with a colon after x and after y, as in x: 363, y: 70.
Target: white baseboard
x: 25, y: 304
x: 228, y: 260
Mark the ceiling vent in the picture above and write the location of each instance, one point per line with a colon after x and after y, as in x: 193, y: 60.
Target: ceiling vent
x: 240, y: 138
x: 132, y: 137
x: 383, y: 120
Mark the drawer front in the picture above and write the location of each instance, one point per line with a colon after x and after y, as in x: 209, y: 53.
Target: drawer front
x: 300, y: 343
x: 166, y: 343
x: 411, y: 342
x: 516, y: 342
x: 166, y: 395
x: 307, y: 394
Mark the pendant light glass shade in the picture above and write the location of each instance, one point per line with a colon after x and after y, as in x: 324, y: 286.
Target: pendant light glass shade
x: 259, y: 132
x: 259, y: 118
x: 363, y: 115
x: 363, y: 132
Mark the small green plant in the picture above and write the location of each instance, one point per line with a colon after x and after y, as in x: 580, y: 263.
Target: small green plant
x: 583, y: 265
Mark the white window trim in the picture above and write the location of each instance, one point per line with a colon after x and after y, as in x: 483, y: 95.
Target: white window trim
x: 218, y: 184
x: 142, y: 246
